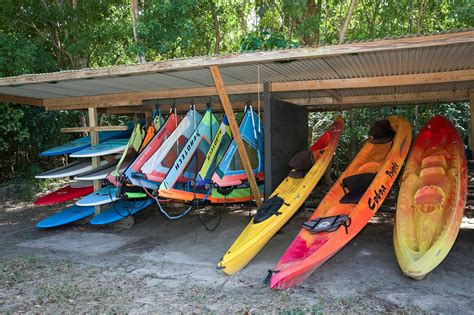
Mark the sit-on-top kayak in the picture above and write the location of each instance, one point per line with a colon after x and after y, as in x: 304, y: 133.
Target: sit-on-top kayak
x: 431, y: 200
x: 349, y: 205
x: 283, y: 203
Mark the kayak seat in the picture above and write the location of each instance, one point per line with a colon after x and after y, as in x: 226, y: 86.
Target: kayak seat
x: 269, y: 208
x: 429, y: 195
x: 381, y: 131
x: 434, y: 160
x: 327, y: 224
x: 301, y: 163
x: 355, y: 186
x: 433, y: 176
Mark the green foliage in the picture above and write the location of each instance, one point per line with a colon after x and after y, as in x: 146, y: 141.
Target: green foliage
x: 266, y: 41
x: 358, y: 123
x: 167, y: 30
x: 68, y: 35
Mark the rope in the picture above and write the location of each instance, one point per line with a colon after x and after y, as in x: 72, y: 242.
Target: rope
x: 170, y: 217
x: 258, y: 98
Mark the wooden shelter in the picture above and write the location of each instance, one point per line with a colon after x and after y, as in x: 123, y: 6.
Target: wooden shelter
x: 420, y: 69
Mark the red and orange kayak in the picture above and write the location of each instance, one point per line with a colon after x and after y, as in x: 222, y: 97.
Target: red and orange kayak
x: 355, y: 197
x: 431, y: 200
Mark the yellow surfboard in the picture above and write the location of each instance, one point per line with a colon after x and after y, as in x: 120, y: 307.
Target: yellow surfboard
x: 293, y: 192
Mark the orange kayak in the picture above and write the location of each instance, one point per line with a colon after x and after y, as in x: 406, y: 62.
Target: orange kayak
x: 431, y: 200
x: 349, y: 205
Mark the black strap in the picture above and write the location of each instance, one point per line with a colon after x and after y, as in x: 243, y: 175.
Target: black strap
x: 269, y: 276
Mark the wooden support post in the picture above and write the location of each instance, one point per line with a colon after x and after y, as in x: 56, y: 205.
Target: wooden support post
x: 471, y: 104
x: 216, y: 76
x: 94, y: 141
x: 267, y: 137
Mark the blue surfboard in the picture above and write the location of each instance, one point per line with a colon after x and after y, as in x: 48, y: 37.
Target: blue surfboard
x: 120, y: 209
x: 104, y: 148
x: 103, y: 196
x: 66, y: 216
x: 85, y: 142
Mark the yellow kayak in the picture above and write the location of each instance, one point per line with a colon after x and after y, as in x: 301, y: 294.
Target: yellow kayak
x: 431, y: 200
x: 288, y: 197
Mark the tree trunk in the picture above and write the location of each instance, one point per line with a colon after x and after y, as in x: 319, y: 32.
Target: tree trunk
x: 217, y: 30
x: 243, y: 17
x: 134, y: 13
x: 308, y: 38
x: 344, y: 27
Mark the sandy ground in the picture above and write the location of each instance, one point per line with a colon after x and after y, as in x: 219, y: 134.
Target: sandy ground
x: 169, y: 267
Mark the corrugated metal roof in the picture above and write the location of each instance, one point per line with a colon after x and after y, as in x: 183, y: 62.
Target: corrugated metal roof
x: 323, y: 63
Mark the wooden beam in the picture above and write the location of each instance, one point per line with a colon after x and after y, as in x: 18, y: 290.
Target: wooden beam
x: 437, y: 96
x: 93, y: 122
x: 136, y: 98
x: 373, y: 82
x: 250, y: 58
x: 216, y: 76
x: 99, y: 128
x: 335, y: 94
x: 21, y: 100
x: 180, y: 108
x: 471, y: 105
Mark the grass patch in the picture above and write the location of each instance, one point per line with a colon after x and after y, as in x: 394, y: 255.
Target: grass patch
x: 325, y: 305
x: 69, y: 294
x: 18, y: 270
x: 59, y: 294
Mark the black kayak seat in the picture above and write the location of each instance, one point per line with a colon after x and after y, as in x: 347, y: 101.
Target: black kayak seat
x: 270, y: 207
x: 355, y: 186
x: 327, y: 224
x: 301, y: 163
x: 381, y: 131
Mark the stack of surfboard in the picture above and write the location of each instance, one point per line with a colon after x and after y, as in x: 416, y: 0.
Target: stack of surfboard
x: 111, y: 143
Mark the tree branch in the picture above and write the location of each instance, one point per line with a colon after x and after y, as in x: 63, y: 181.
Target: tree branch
x: 343, y: 31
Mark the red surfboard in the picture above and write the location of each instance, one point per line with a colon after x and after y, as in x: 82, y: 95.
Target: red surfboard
x: 63, y: 194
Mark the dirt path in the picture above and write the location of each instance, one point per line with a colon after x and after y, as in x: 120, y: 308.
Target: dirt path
x: 162, y: 266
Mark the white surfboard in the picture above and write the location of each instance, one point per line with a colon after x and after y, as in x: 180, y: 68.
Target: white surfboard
x: 103, y: 196
x: 71, y: 169
x: 96, y: 174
